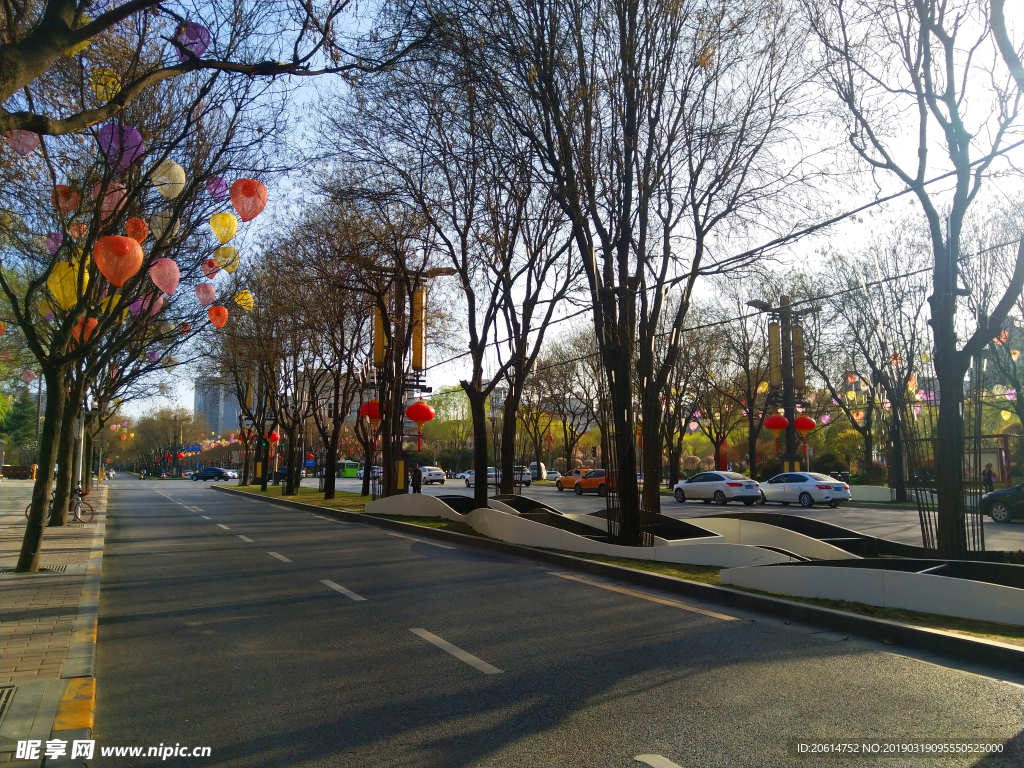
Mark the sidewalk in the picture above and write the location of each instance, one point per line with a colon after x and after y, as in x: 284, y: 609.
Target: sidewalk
x: 48, y: 629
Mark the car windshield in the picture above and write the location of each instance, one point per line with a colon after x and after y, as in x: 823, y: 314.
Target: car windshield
x: 818, y: 476
x: 734, y: 476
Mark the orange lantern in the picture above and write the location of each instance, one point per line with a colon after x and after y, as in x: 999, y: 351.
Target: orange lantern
x: 136, y: 229
x: 858, y: 415
x: 218, y: 316
x: 420, y: 413
x: 65, y: 198
x: 248, y: 196
x: 118, y: 258
x: 90, y: 326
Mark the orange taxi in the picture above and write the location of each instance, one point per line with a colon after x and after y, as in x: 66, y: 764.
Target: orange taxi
x: 595, y: 480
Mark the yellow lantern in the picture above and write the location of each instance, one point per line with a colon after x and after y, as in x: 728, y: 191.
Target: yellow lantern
x: 244, y: 300
x: 63, y: 284
x: 226, y: 258
x: 105, y: 83
x: 224, y: 226
x: 762, y: 387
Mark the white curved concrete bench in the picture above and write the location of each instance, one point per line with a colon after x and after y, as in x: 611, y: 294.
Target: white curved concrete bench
x: 766, y: 535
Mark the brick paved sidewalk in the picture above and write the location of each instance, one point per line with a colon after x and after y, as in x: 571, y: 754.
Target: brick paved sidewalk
x: 47, y: 624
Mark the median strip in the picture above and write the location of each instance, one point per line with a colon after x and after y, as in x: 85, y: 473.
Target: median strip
x: 643, y: 596
x: 457, y: 652
x: 338, y: 588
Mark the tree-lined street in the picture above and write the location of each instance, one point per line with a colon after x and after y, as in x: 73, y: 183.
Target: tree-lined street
x: 206, y: 638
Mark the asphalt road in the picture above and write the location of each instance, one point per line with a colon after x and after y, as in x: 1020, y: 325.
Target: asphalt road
x: 235, y: 624
x: 888, y: 522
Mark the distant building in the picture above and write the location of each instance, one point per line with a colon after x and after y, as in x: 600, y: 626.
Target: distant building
x: 218, y: 404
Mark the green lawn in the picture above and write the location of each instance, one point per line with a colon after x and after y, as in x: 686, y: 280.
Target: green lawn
x: 346, y: 500
x: 434, y: 522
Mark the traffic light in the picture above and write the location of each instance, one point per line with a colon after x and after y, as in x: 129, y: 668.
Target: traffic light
x: 593, y: 452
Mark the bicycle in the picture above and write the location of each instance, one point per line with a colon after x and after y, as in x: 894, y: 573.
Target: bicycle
x: 49, y: 508
x: 80, y: 508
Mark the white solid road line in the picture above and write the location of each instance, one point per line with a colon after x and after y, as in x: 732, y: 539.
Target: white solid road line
x: 205, y: 517
x: 244, y: 538
x: 197, y: 509
x: 656, y: 761
x: 221, y: 525
x: 421, y: 541
x: 338, y: 588
x: 282, y: 558
x: 643, y: 596
x: 457, y: 652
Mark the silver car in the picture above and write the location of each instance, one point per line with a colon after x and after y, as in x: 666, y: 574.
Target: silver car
x: 719, y: 487
x: 806, y: 489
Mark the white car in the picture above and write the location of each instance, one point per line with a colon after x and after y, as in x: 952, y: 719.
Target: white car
x: 375, y: 471
x: 464, y: 475
x: 806, y: 489
x: 492, y: 473
x: 432, y: 475
x: 552, y: 475
x: 719, y: 487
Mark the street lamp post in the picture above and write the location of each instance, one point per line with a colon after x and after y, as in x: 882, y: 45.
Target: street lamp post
x: 786, y: 366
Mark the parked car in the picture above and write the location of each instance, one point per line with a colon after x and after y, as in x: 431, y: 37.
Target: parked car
x: 568, y: 480
x: 596, y: 480
x: 538, y: 471
x: 213, y: 473
x: 464, y: 475
x: 432, y: 475
x: 187, y: 473
x: 375, y: 471
x: 492, y: 475
x: 719, y: 487
x: 1005, y: 504
x: 521, y: 474
x: 805, y: 489
x: 552, y: 475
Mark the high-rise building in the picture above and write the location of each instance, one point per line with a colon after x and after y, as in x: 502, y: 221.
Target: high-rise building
x: 218, y: 404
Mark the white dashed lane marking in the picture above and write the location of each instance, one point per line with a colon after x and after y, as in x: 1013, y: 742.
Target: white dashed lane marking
x: 656, y: 761
x: 338, y: 588
x: 205, y: 517
x: 244, y: 538
x: 221, y: 525
x: 457, y: 652
x: 282, y: 558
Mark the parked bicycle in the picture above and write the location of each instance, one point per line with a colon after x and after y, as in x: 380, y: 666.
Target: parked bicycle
x: 80, y: 509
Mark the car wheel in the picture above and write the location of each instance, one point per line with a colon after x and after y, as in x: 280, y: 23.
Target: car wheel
x: 833, y: 504
x: 578, y: 490
x: 558, y: 486
x: 748, y: 502
x: 601, y: 490
x: 1000, y: 512
x: 441, y: 481
x: 467, y: 483
x: 680, y: 496
x: 806, y: 500
x: 761, y: 498
x: 195, y: 479
x: 720, y: 498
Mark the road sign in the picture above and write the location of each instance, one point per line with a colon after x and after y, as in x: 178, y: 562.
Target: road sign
x: 193, y: 448
x: 310, y: 463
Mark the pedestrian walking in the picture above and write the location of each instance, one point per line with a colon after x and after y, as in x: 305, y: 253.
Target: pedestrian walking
x: 417, y: 479
x: 988, y: 478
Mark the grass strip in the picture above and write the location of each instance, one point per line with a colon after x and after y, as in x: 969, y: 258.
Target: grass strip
x: 346, y: 500
x: 435, y: 522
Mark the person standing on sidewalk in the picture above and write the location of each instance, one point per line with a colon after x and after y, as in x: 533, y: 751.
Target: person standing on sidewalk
x: 988, y: 478
x: 417, y: 479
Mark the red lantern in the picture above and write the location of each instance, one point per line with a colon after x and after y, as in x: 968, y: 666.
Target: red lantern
x: 181, y: 456
x: 218, y: 316
x: 118, y: 258
x: 124, y: 437
x: 419, y: 413
x: 371, y: 410
x: 776, y: 424
x: 804, y: 424
x: 136, y: 229
x: 274, y: 437
x: 65, y: 198
x: 310, y: 457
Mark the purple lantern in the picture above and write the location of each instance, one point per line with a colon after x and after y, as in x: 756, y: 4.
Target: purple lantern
x: 193, y: 40
x: 217, y: 188
x: 1011, y: 395
x: 135, y: 307
x: 121, y: 144
x: 152, y: 356
x: 53, y: 241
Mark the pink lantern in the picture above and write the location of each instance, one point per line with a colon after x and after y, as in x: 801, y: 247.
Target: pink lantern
x: 917, y: 410
x: 206, y: 293
x: 165, y: 275
x: 22, y: 142
x: 112, y: 201
x: 1011, y: 395
x: 28, y: 376
x: 53, y: 241
x: 692, y: 426
x: 825, y: 418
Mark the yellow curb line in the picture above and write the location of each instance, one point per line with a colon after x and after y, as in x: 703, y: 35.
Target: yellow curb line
x: 77, y: 705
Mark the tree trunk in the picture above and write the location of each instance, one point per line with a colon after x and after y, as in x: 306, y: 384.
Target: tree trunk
x: 869, y: 446
x: 630, y: 529
x: 87, y: 460
x: 65, y: 461
x: 331, y: 462
x: 651, y: 453
x: 897, y: 454
x: 718, y: 453
x: 508, y: 438
x: 476, y: 408
x: 31, y: 544
x: 289, y: 477
x: 949, y: 455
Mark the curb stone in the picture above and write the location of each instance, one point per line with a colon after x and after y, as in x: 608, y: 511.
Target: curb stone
x: 977, y: 650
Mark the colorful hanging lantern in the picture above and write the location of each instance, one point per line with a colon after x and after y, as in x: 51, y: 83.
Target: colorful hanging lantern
x: 165, y: 275
x: 244, y: 300
x: 851, y: 377
x: 206, y: 293
x: 248, y: 196
x: 164, y: 221
x: 917, y: 410
x: 124, y: 437
x: 78, y: 230
x: 169, y: 179
x: 118, y: 258
x: 804, y: 425
x: 136, y: 229
x: 1005, y: 415
x: 28, y: 376
x: 105, y: 83
x: 63, y: 284
x: 65, y: 199
x: 89, y: 325
x: 1002, y: 338
x: 1011, y: 395
x: 762, y: 387
x: 121, y: 145
x: 217, y: 188
x: 3, y: 328
x: 224, y: 226
x: 226, y: 258
x: 112, y: 201
x: 858, y: 416
x: 218, y: 316
x: 825, y: 419
x: 22, y: 142
x: 185, y: 328
x: 895, y: 359
x: 1015, y: 355
x: 420, y: 413
x: 210, y: 267
x: 310, y: 457
x: 912, y: 382
x: 776, y: 424
x: 53, y: 242
x: 181, y: 456
x: 193, y: 40
x: 274, y: 438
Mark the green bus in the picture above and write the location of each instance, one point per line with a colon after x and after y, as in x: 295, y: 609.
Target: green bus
x: 347, y: 468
